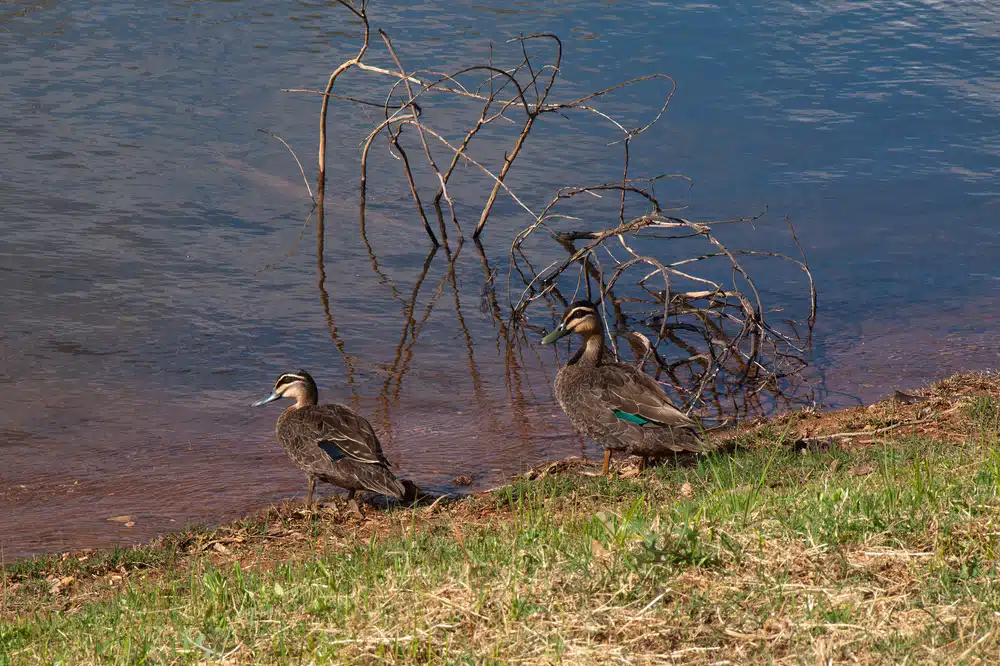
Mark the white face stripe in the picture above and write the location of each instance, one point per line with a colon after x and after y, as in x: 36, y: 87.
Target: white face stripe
x: 283, y: 385
x: 582, y: 308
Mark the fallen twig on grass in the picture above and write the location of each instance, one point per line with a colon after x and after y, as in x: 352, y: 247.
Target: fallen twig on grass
x: 860, y: 433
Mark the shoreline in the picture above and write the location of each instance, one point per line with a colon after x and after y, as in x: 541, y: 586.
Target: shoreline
x: 807, y: 428
x: 905, y: 482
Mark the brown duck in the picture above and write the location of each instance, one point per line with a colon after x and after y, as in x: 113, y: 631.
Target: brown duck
x: 613, y: 403
x: 330, y: 443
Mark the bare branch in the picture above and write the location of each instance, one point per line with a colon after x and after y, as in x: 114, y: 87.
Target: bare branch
x: 673, y: 281
x: 296, y: 158
x: 420, y: 131
x: 344, y: 66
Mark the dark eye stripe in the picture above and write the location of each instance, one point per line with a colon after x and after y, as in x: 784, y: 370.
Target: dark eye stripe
x: 287, y: 379
x: 577, y: 313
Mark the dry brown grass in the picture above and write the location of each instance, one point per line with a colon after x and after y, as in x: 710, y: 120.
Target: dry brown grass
x: 934, y: 411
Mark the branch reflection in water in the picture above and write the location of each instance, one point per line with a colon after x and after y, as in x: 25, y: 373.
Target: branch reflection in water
x: 511, y: 421
x: 706, y: 333
x: 325, y: 300
x: 679, y: 352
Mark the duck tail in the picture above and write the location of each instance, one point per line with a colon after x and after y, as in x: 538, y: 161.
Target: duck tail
x: 688, y: 438
x: 379, y: 479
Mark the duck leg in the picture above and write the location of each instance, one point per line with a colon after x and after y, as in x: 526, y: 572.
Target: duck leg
x: 643, y: 463
x: 309, y: 495
x: 350, y: 494
x: 607, y: 462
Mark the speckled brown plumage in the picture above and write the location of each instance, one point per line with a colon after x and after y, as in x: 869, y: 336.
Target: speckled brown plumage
x: 613, y: 403
x: 330, y: 443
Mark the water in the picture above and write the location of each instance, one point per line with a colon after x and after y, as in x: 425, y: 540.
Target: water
x: 147, y: 297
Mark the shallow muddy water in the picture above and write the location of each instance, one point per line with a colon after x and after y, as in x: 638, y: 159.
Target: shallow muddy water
x: 147, y: 296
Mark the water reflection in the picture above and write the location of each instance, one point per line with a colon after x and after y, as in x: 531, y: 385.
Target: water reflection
x: 141, y: 205
x: 325, y: 299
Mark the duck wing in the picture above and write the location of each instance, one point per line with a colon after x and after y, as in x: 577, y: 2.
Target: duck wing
x: 637, y: 398
x: 341, y: 432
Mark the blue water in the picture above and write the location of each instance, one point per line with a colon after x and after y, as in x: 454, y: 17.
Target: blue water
x: 147, y: 296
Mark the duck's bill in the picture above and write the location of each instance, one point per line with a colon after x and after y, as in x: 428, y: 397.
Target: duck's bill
x: 560, y: 332
x: 271, y: 398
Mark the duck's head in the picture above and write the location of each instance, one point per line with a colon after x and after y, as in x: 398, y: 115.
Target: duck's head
x: 298, y: 385
x: 581, y: 317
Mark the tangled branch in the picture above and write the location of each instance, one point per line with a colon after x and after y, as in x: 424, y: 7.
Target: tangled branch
x: 518, y: 95
x: 720, y: 339
x: 669, y: 281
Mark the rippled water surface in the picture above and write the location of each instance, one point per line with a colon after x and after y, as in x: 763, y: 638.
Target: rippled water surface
x: 147, y: 297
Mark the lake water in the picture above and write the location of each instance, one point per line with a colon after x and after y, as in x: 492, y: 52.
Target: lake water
x: 147, y: 296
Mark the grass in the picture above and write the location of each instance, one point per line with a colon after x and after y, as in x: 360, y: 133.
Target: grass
x: 877, y: 550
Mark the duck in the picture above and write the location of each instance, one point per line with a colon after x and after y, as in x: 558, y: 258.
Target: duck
x: 616, y: 404
x: 330, y: 443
